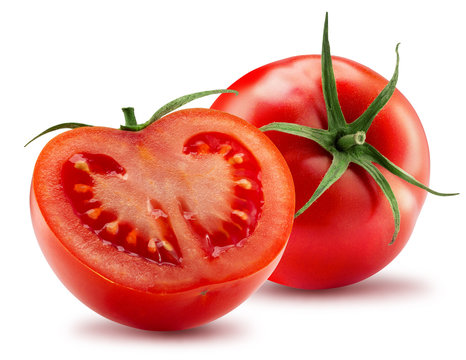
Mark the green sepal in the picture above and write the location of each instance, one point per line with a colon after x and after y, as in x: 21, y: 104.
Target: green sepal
x: 70, y: 125
x: 173, y: 105
x: 320, y: 136
x: 335, y: 117
x: 338, y: 167
x: 372, y: 154
x: 387, y: 190
x: 364, y: 122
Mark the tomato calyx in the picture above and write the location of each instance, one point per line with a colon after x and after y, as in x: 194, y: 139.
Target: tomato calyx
x: 346, y: 141
x: 130, y: 118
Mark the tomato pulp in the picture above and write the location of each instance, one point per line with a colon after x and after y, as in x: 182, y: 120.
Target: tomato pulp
x: 344, y: 236
x: 165, y: 228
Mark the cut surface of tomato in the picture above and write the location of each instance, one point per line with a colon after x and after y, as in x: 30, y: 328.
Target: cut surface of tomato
x: 199, y: 202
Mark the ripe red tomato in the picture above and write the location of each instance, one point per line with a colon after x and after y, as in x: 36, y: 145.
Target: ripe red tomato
x: 344, y: 236
x: 165, y: 228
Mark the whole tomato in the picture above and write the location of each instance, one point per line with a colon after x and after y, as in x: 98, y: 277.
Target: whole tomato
x: 164, y: 225
x: 361, y: 214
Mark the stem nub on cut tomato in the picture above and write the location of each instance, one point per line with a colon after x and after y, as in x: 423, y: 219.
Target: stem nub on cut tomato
x: 346, y: 142
x: 130, y: 118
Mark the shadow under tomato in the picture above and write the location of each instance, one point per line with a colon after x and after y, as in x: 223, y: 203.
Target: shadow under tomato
x: 103, y: 329
x: 377, y: 287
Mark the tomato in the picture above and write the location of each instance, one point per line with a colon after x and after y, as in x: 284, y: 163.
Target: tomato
x: 165, y: 228
x: 344, y: 237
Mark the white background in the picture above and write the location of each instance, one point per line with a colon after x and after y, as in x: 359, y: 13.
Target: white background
x: 82, y: 61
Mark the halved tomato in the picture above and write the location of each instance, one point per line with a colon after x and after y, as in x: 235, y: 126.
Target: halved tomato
x: 165, y: 228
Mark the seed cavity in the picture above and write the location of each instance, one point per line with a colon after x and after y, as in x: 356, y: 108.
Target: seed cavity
x: 78, y: 183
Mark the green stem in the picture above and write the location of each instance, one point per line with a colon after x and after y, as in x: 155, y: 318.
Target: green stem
x: 130, y: 118
x: 346, y: 142
x: 70, y: 125
x: 172, y: 106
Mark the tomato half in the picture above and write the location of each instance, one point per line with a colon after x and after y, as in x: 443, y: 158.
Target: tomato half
x: 344, y: 236
x: 165, y: 228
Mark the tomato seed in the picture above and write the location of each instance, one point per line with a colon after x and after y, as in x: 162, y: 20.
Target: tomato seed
x: 94, y: 213
x: 82, y: 165
x: 167, y: 245
x: 82, y: 188
x: 241, y: 214
x: 112, y: 227
x: 203, y: 148
x: 244, y: 183
x: 151, y: 246
x: 236, y: 159
x: 224, y: 149
x: 131, y: 238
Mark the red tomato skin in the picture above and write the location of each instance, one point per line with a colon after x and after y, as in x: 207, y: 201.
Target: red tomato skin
x: 344, y: 237
x: 152, y: 310
x: 142, y: 309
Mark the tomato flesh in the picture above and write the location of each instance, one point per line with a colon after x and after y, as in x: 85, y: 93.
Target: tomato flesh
x: 161, y: 245
x: 248, y: 195
x: 78, y: 186
x: 160, y: 231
